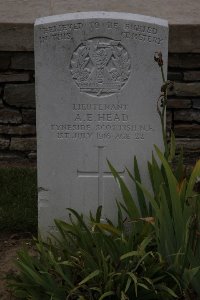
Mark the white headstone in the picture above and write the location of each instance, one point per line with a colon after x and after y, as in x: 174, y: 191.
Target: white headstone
x: 97, y: 87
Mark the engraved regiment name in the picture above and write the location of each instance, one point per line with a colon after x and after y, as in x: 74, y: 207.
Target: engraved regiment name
x: 100, y: 66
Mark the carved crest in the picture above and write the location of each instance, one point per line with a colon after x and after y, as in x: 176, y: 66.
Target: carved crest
x: 100, y: 66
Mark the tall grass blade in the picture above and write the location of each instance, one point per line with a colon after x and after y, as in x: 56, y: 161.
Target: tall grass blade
x: 195, y: 174
x: 128, y: 199
x: 89, y: 277
x: 106, y: 294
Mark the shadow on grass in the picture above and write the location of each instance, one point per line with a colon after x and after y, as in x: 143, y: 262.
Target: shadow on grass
x: 18, y: 200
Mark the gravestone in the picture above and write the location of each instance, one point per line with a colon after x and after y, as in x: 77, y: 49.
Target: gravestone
x: 97, y: 87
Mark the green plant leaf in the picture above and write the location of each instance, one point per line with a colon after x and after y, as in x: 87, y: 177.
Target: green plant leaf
x: 140, y: 194
x: 177, y: 213
x: 128, y: 199
x: 169, y: 291
x: 98, y: 214
x: 180, y: 169
x: 106, y: 294
x: 89, y: 277
x: 195, y: 174
x: 130, y: 254
x: 189, y: 274
x: 149, y: 196
x: 109, y: 228
x: 172, y: 147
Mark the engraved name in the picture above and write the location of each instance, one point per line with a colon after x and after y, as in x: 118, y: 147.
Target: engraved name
x: 101, y: 122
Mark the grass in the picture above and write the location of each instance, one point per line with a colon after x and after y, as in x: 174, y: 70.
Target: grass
x: 18, y: 200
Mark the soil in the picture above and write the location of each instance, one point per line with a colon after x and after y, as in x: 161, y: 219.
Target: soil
x: 10, y: 244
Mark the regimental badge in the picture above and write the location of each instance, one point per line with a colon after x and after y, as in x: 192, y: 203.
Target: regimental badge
x: 100, y: 66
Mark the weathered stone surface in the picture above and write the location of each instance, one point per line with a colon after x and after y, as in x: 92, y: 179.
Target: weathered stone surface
x: 23, y: 129
x: 32, y: 156
x: 169, y: 121
x: 19, y: 37
x: 196, y: 103
x: 12, y: 159
x: 10, y: 116
x: 1, y: 103
x: 179, y: 103
x: 189, y: 145
x: 23, y: 144
x: 184, y: 61
x: 169, y: 116
x: 187, y: 115
x: 184, y: 38
x: 29, y: 116
x: 16, y: 37
x: 189, y: 169
x: 88, y: 114
x: 4, y: 143
x: 174, y: 76
x: 185, y: 89
x: 4, y: 60
x: 187, y: 130
x: 10, y: 77
x: 189, y: 160
x: 22, y: 61
x: 192, y: 76
x: 17, y: 18
x: 20, y: 95
x: 183, y: 12
x: 1, y: 100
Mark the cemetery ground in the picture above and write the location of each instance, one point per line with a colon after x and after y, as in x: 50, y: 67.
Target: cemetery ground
x: 18, y: 218
x: 18, y: 222
x: 10, y: 244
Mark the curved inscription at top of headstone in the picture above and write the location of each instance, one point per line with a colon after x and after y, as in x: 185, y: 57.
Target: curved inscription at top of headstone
x: 100, y: 66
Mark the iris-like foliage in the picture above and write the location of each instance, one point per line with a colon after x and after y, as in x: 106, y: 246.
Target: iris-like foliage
x: 173, y: 213
x: 172, y: 205
x: 96, y: 261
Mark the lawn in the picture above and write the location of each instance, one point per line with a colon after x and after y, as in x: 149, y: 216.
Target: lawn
x: 18, y: 200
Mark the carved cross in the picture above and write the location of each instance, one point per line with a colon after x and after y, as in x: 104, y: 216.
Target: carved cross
x: 100, y: 174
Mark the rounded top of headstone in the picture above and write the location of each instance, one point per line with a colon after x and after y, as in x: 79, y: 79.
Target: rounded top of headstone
x: 103, y: 15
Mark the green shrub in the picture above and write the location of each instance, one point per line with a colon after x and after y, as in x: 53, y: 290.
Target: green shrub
x: 174, y: 213
x: 99, y: 261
